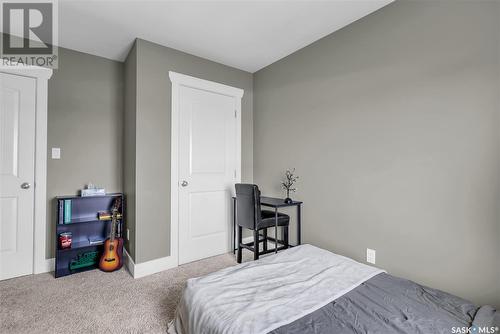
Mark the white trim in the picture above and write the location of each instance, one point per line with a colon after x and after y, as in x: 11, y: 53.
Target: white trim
x: 174, y: 174
x: 26, y: 70
x: 129, y: 263
x: 189, y: 81
x: 238, y: 141
x: 150, y: 267
x: 46, y: 266
x: 42, y: 75
x: 40, y: 230
x: 135, y: 270
x: 179, y: 80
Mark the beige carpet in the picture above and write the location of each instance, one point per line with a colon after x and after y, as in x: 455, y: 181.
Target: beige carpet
x: 98, y: 302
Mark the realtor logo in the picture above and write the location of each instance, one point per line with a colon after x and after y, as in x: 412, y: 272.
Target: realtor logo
x: 29, y: 33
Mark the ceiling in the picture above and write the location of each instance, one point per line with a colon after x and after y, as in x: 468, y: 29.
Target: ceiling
x: 248, y: 35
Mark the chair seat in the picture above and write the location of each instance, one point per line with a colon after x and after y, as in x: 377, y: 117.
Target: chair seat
x: 268, y: 219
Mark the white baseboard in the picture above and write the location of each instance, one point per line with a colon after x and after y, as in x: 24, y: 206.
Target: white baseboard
x: 150, y: 267
x: 46, y: 266
x: 129, y: 263
x: 136, y: 270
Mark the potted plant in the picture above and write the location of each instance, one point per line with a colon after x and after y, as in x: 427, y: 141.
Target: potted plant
x: 287, y: 184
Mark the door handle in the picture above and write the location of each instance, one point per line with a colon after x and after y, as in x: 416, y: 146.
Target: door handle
x: 25, y: 185
x: 184, y: 183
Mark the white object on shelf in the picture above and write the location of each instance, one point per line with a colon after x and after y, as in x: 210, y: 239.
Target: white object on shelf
x: 93, y: 192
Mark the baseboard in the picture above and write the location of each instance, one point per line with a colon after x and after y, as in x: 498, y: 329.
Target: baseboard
x: 46, y: 266
x: 129, y: 263
x: 138, y: 270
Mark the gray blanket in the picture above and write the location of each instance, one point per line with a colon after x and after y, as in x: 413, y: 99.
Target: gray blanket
x: 386, y: 304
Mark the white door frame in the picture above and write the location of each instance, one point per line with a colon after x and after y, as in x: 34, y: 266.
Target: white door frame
x: 41, y: 75
x: 179, y: 80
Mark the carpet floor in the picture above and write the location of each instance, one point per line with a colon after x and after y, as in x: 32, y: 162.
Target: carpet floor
x: 98, y: 302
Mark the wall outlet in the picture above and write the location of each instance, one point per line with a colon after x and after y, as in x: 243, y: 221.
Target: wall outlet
x: 370, y: 255
x: 56, y: 153
x: 128, y: 234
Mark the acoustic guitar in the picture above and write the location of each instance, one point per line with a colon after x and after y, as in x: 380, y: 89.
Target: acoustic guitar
x: 112, y: 257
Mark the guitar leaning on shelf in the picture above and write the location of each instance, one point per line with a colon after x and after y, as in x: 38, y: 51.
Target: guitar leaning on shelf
x: 112, y: 258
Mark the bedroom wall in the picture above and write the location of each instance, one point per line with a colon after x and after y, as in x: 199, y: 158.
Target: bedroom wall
x: 85, y: 112
x: 152, y: 138
x: 393, y: 125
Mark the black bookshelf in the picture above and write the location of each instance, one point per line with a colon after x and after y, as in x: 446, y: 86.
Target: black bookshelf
x: 83, y: 223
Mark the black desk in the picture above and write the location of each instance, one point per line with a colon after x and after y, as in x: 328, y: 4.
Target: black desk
x: 275, y: 203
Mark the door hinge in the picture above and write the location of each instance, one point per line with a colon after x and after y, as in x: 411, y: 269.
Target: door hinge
x: 235, y: 173
x: 235, y: 113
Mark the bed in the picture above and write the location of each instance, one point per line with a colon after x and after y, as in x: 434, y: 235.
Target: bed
x: 306, y: 289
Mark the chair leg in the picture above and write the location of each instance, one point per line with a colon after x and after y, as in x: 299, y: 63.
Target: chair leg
x: 285, y: 235
x: 240, y: 240
x: 265, y: 240
x: 256, y: 244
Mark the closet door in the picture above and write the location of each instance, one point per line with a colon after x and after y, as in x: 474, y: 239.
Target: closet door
x: 17, y: 165
x: 207, y: 172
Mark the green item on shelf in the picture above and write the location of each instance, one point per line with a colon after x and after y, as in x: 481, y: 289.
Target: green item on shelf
x: 84, y: 260
x: 67, y: 211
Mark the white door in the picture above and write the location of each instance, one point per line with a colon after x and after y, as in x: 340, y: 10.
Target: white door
x: 17, y: 165
x: 207, y: 172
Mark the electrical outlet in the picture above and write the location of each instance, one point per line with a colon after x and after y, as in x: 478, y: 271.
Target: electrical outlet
x: 128, y: 234
x: 370, y: 255
x: 56, y: 153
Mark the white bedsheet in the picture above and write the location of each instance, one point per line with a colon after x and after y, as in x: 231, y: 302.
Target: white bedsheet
x: 259, y: 296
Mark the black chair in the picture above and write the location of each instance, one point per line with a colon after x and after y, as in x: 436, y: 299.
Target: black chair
x: 250, y: 216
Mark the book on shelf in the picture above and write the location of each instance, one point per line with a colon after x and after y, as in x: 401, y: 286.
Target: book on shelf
x: 67, y: 211
x: 96, y: 240
x: 61, y: 212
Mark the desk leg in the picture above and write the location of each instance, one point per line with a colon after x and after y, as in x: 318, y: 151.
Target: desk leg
x: 298, y: 225
x: 275, y: 230
x: 234, y: 226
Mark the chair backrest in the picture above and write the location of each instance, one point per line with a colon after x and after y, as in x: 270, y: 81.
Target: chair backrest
x: 247, y: 205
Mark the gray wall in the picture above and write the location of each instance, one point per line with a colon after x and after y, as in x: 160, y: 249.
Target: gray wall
x: 393, y: 124
x: 152, y: 138
x: 129, y: 149
x: 85, y: 111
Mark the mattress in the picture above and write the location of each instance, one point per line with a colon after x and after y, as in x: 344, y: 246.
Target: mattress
x: 309, y: 290
x: 388, y: 304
